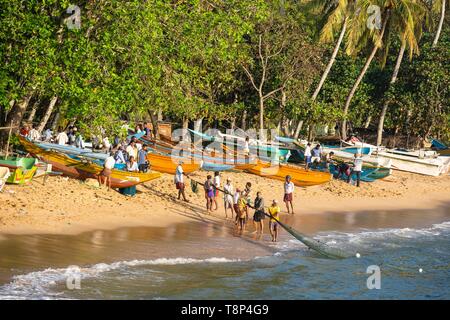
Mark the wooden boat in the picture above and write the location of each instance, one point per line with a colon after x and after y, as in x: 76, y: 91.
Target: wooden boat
x: 86, y: 169
x: 300, y: 176
x: 411, y: 163
x: 167, y: 164
x: 22, y: 169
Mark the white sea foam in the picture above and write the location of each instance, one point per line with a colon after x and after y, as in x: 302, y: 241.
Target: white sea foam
x: 38, y: 284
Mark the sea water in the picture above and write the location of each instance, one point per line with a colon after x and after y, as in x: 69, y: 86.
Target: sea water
x: 205, y: 262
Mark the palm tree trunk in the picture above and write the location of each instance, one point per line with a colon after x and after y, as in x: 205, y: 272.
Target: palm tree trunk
x: 331, y: 62
x: 261, y: 113
x: 361, y: 76
x: 386, y: 103
x: 47, y: 114
x: 15, y: 115
x: 441, y: 22
x: 367, y: 123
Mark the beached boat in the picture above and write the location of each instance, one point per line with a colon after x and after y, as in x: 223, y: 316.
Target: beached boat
x: 167, y: 164
x: 22, y: 169
x: 300, y: 176
x: 410, y: 162
x: 86, y: 169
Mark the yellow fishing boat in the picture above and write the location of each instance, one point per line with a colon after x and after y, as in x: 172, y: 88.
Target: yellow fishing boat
x: 300, y: 176
x: 166, y: 164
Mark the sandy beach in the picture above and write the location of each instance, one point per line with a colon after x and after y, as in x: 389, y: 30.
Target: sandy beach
x: 67, y: 206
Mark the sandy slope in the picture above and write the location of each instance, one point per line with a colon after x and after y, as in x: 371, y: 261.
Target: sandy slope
x: 69, y: 206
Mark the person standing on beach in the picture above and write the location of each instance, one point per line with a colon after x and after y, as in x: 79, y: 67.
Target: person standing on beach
x: 258, y: 216
x: 288, y: 194
x: 228, y: 198
x: 344, y: 169
x: 307, y: 155
x: 236, y: 198
x: 216, y: 188
x: 142, y: 159
x: 107, y: 170
x: 242, y: 205
x: 62, y: 137
x: 274, y: 211
x: 209, y: 193
x: 179, y: 181
x: 357, y: 167
x: 315, y: 155
x: 247, y: 195
x: 132, y: 150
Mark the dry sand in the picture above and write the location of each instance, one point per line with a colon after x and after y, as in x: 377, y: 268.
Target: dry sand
x: 67, y: 206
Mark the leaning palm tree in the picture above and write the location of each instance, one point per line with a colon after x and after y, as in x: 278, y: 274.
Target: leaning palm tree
x: 409, y: 33
x: 439, y: 5
x: 394, y: 15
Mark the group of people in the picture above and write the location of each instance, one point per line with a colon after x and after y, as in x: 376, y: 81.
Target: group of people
x: 238, y: 202
x: 132, y: 154
x: 314, y: 157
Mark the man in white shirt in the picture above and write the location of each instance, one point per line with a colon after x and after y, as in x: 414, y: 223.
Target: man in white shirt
x: 288, y: 194
x: 228, y: 198
x: 62, y: 138
x: 132, y: 150
x: 34, y: 135
x: 357, y: 167
x: 179, y: 181
x: 107, y: 170
x: 132, y: 165
x: 307, y: 155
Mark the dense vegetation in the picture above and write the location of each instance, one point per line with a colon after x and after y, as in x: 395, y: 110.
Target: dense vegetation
x: 291, y: 65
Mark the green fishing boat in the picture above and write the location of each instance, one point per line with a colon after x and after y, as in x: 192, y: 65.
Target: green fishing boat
x: 22, y: 169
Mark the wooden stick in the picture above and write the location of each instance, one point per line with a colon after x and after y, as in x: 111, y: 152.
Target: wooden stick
x: 7, y: 143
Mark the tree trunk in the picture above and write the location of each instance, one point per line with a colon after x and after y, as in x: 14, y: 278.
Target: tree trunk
x: 441, y: 22
x: 160, y: 115
x: 261, y: 113
x: 198, y: 124
x: 185, y: 123
x: 298, y: 129
x: 154, y: 124
x: 367, y: 123
x: 386, y: 103
x: 233, y: 123
x: 33, y: 111
x: 15, y: 115
x: 55, y: 121
x: 244, y: 120
x: 331, y: 62
x: 47, y: 114
x: 361, y: 76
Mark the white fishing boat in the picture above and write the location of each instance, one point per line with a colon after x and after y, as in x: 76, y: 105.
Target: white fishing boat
x: 407, y: 161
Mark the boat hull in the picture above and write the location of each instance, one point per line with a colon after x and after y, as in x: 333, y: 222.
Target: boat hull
x: 22, y: 170
x: 86, y: 170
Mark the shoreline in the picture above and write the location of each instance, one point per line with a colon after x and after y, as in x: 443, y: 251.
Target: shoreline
x: 69, y: 207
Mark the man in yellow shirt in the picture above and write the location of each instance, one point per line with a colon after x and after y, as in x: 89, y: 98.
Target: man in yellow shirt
x: 274, y: 211
x: 242, y: 205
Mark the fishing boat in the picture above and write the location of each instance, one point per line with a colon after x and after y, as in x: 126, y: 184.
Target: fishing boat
x: 167, y: 164
x: 410, y: 162
x: 300, y: 176
x: 22, y: 169
x: 84, y: 169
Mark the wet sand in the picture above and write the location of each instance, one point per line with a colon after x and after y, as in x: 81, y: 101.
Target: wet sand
x: 22, y: 254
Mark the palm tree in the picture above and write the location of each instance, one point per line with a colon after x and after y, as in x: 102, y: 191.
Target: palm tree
x: 398, y: 17
x: 436, y: 6
x: 409, y: 36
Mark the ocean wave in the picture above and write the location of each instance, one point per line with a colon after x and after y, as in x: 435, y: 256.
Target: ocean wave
x: 38, y: 284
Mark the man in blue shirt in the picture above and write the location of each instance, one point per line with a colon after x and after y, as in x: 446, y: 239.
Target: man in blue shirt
x: 142, y: 159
